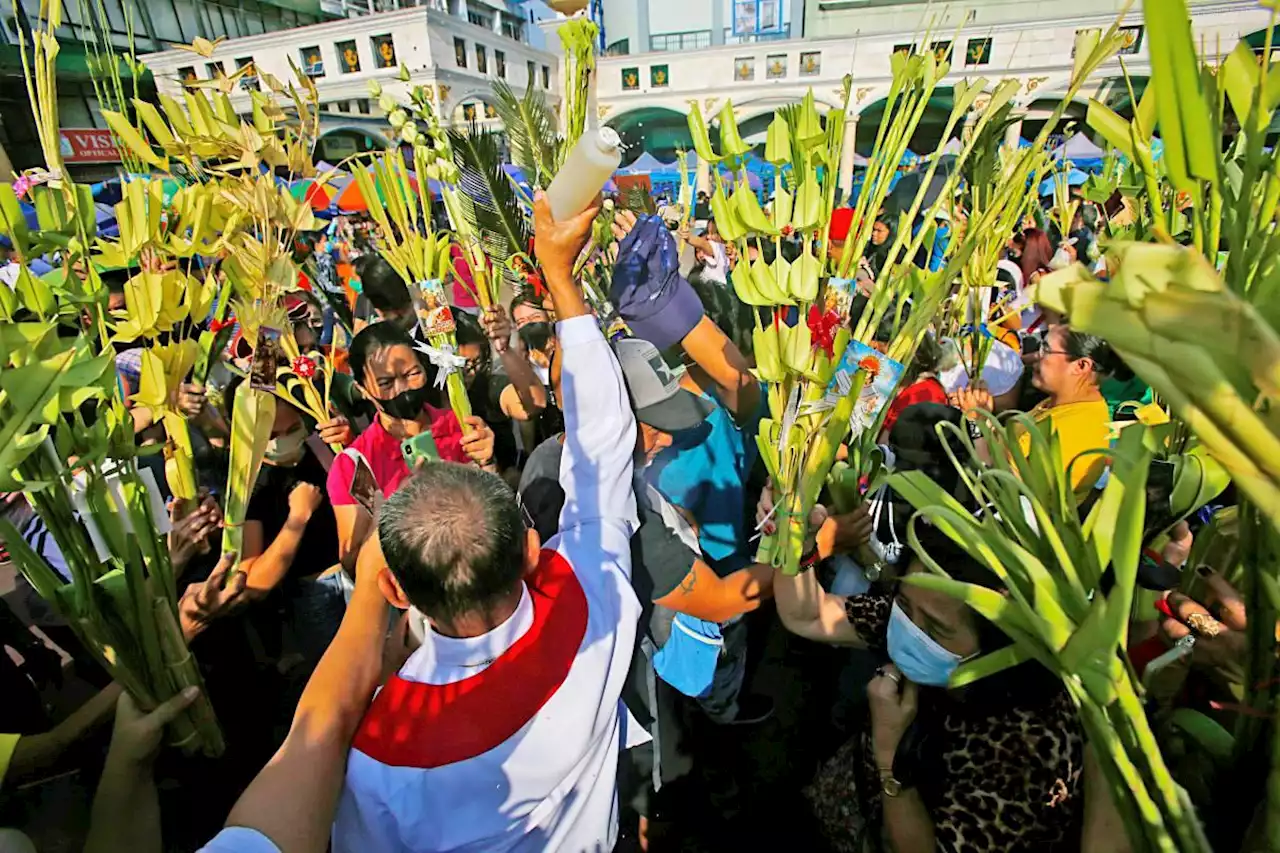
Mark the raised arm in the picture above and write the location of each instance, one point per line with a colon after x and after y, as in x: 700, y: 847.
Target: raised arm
x: 292, y: 801
x: 524, y: 396
x: 600, y: 430
x: 662, y: 307
x: 724, y: 364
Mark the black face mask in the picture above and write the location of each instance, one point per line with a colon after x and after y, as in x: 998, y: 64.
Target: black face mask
x: 535, y: 335
x: 407, y: 404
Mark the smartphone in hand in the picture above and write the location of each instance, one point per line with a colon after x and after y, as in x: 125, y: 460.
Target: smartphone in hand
x: 420, y: 447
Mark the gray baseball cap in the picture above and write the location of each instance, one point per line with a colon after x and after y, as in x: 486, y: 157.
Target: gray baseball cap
x: 655, y: 390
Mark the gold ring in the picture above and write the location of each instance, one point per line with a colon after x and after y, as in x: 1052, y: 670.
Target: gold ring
x: 1204, y: 624
x: 897, y: 679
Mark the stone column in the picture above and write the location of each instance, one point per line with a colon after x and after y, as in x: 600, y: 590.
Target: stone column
x: 702, y: 177
x: 846, y: 155
x: 717, y: 22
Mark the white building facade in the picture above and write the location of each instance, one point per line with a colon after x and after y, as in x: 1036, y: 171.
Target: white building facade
x: 458, y: 52
x: 657, y: 89
x: 456, y: 58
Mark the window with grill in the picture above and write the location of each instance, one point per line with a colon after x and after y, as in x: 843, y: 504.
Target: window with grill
x: 694, y: 40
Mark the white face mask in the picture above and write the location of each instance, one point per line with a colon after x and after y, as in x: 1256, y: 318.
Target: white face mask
x: 287, y: 450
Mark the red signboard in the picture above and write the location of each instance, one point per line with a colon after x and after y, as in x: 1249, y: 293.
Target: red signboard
x: 88, y: 146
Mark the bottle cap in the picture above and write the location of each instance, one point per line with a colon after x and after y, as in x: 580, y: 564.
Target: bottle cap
x: 608, y: 140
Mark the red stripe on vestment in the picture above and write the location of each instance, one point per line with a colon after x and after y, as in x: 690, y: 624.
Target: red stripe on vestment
x: 411, y: 724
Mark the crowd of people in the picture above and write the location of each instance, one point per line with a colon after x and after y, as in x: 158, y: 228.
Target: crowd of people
x: 516, y: 644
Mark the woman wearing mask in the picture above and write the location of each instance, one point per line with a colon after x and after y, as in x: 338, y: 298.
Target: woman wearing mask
x: 538, y: 338
x: 877, y: 252
x: 502, y: 389
x: 1069, y: 368
x: 394, y: 377
x: 999, y: 765
x: 290, y: 538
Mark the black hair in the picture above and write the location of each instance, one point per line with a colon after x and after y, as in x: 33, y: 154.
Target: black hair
x: 526, y: 297
x: 115, y: 280
x: 884, y: 329
x: 915, y: 441
x: 371, y: 339
x: 1081, y: 345
x: 468, y: 330
x: 454, y: 539
x: 1028, y: 684
x: 928, y: 356
x: 382, y: 285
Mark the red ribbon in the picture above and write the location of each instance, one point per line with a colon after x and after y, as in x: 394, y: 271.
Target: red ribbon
x: 823, y: 329
x: 535, y: 281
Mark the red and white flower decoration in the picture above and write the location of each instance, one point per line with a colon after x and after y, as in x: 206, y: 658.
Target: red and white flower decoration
x: 304, y: 367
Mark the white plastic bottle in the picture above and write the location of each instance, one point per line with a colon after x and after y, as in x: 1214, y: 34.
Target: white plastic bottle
x: 591, y: 162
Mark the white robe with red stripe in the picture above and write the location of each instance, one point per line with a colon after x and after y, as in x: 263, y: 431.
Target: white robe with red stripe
x: 509, y: 741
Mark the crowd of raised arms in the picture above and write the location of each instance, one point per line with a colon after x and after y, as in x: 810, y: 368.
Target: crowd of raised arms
x: 529, y: 629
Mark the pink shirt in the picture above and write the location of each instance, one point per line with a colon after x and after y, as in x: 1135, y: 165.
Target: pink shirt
x: 382, y: 451
x: 464, y: 282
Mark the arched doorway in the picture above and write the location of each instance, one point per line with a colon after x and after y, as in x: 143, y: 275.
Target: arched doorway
x: 476, y: 109
x: 928, y: 135
x: 338, y: 143
x: 657, y: 130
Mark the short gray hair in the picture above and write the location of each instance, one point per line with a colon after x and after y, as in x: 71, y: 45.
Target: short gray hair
x: 453, y: 537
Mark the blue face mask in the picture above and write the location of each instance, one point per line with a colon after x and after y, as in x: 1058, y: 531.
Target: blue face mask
x: 917, y: 654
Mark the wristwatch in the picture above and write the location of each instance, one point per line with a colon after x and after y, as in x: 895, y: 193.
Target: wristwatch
x: 890, y: 786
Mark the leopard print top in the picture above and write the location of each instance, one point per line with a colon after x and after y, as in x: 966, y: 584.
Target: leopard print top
x: 993, y: 783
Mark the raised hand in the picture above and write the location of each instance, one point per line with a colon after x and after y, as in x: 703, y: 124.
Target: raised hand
x: 216, y: 597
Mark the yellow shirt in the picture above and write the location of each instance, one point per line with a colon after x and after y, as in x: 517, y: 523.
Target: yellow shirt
x: 8, y: 743
x: 1079, y: 427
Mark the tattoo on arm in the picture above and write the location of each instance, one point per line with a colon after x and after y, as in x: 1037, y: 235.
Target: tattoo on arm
x: 686, y: 585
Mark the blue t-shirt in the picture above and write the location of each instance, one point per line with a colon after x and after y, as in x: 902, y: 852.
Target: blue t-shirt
x: 705, y: 472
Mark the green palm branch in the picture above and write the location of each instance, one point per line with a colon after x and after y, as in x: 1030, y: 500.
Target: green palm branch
x: 531, y: 131
x: 488, y: 201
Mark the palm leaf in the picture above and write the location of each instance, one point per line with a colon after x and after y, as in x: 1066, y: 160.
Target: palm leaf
x: 488, y: 200
x: 531, y: 131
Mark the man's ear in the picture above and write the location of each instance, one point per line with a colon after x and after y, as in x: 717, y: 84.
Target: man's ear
x: 391, y: 590
x: 532, y: 550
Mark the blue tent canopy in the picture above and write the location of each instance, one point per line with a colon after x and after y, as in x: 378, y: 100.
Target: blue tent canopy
x: 646, y: 162
x: 1075, y: 178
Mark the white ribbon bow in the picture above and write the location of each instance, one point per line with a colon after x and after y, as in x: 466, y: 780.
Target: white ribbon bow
x: 446, y: 359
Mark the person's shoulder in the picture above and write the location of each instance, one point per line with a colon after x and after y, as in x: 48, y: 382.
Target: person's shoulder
x: 543, y: 463
x: 1085, y: 414
x: 869, y: 615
